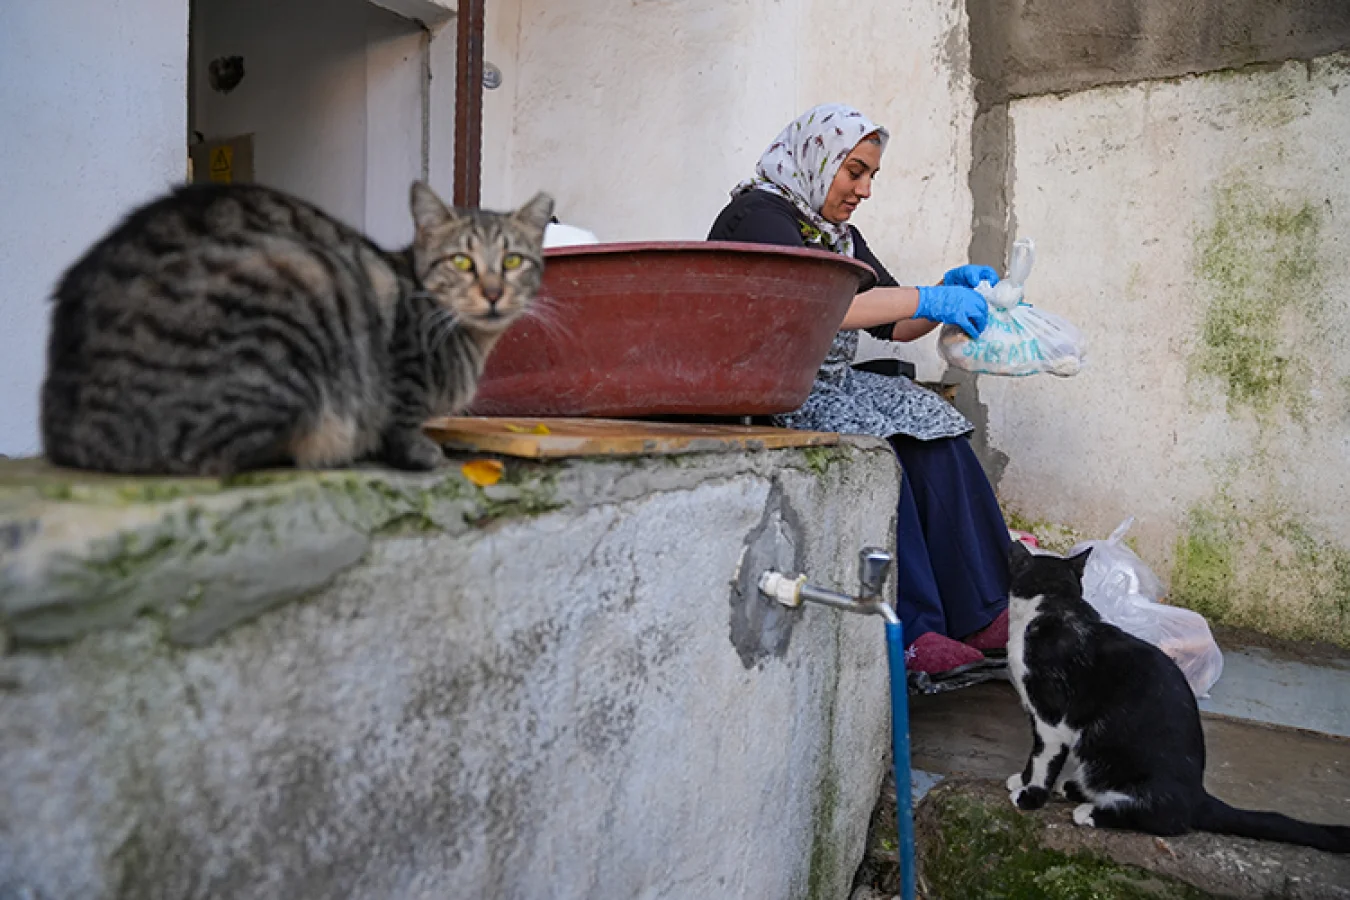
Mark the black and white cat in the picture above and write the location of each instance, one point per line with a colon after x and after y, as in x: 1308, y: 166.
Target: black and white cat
x: 1115, y: 725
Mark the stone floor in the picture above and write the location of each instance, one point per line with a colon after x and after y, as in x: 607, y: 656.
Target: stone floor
x: 982, y: 732
x: 1277, y: 730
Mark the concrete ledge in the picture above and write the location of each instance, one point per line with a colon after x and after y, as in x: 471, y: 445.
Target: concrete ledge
x: 973, y: 843
x: 82, y: 553
x: 561, y: 686
x: 1023, y: 49
x: 429, y: 12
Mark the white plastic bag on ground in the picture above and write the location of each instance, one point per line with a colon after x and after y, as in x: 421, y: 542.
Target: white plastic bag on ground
x: 1019, y: 339
x: 1125, y: 592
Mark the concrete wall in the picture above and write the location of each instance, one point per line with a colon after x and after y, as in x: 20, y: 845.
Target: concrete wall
x: 1195, y: 229
x: 1192, y: 224
x: 640, y: 119
x: 1148, y: 146
x: 92, y: 100
x: 1026, y: 48
x: 523, y: 691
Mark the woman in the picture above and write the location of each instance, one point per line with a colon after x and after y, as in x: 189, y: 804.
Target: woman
x: 951, y: 540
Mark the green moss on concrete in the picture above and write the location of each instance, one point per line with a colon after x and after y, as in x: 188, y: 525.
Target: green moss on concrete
x: 149, y: 540
x: 824, y: 855
x: 1262, y: 566
x: 1203, y: 577
x: 1259, y: 264
x: 37, y: 478
x: 819, y: 459
x: 981, y: 852
x: 825, y: 860
x: 1050, y: 535
x: 527, y: 491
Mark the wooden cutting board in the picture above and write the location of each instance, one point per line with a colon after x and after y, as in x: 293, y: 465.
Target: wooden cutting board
x: 553, y: 438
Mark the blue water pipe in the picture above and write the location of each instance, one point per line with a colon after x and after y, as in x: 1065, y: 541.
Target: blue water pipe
x: 904, y: 800
x: 872, y: 567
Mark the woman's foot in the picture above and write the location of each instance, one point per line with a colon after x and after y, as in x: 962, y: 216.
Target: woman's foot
x: 934, y: 654
x: 993, y: 636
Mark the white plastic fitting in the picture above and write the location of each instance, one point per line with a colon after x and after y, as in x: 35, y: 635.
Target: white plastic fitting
x: 780, y: 587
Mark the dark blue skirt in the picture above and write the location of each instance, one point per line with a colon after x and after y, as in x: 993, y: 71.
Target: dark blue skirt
x: 951, y: 540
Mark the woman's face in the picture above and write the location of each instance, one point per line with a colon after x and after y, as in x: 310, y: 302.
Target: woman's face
x: 853, y: 182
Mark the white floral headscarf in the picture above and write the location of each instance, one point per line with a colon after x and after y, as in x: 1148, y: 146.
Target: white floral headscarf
x: 801, y: 164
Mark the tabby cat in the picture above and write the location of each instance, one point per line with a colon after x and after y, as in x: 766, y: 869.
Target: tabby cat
x: 1115, y: 726
x: 229, y: 327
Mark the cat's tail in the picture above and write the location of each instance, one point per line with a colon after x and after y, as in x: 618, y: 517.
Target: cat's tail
x: 1218, y: 817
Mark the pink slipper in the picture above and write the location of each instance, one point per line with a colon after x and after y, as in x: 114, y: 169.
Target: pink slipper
x: 935, y: 654
x: 993, y: 636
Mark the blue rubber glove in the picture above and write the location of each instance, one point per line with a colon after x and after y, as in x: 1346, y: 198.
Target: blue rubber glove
x: 959, y: 306
x: 969, y: 276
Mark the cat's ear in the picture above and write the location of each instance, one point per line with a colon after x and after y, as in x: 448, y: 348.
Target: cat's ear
x: 1019, y: 558
x: 427, y: 209
x: 536, y: 213
x: 1079, y: 561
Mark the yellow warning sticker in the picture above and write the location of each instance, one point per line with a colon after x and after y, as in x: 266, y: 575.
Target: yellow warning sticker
x: 222, y: 164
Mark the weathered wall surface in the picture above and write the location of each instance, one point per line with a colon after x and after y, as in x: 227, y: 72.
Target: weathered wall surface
x: 1196, y: 229
x: 92, y: 105
x: 1024, y: 48
x: 563, y: 685
x: 641, y: 118
x: 1020, y: 48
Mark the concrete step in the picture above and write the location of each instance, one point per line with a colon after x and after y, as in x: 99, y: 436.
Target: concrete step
x: 1305, y: 686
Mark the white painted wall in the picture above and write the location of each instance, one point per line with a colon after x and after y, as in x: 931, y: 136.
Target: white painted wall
x: 1124, y: 189
x: 640, y: 118
x: 92, y: 100
x: 395, y: 138
x: 333, y: 99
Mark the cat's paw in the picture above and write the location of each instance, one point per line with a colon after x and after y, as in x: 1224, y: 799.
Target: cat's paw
x: 1014, y: 781
x: 1070, y: 791
x: 1082, y: 815
x: 413, y: 451
x: 1030, y: 797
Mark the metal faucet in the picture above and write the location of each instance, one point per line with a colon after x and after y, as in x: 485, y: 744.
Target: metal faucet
x: 873, y: 564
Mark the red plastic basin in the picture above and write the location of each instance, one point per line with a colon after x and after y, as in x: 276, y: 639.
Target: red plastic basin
x: 705, y: 328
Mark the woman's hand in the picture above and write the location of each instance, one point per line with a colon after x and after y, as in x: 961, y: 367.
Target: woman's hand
x: 959, y: 306
x: 970, y: 276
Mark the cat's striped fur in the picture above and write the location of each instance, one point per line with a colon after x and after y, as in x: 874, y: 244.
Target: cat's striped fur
x: 228, y: 327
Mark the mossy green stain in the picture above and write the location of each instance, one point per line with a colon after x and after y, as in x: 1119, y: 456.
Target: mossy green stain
x: 824, y: 856
x: 1050, y: 535
x: 1202, y: 571
x: 532, y: 498
x: 981, y: 852
x: 825, y: 860
x: 1259, y: 263
x: 108, y: 580
x: 819, y: 459
x: 130, y: 553
x: 1244, y: 566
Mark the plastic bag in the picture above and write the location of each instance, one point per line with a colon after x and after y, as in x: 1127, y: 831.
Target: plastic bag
x: 1019, y: 339
x: 1126, y: 593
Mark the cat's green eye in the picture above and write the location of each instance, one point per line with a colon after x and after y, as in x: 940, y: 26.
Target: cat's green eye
x: 462, y: 262
x: 511, y: 261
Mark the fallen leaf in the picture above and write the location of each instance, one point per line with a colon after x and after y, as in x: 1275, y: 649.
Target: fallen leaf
x: 483, y: 472
x: 540, y: 428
